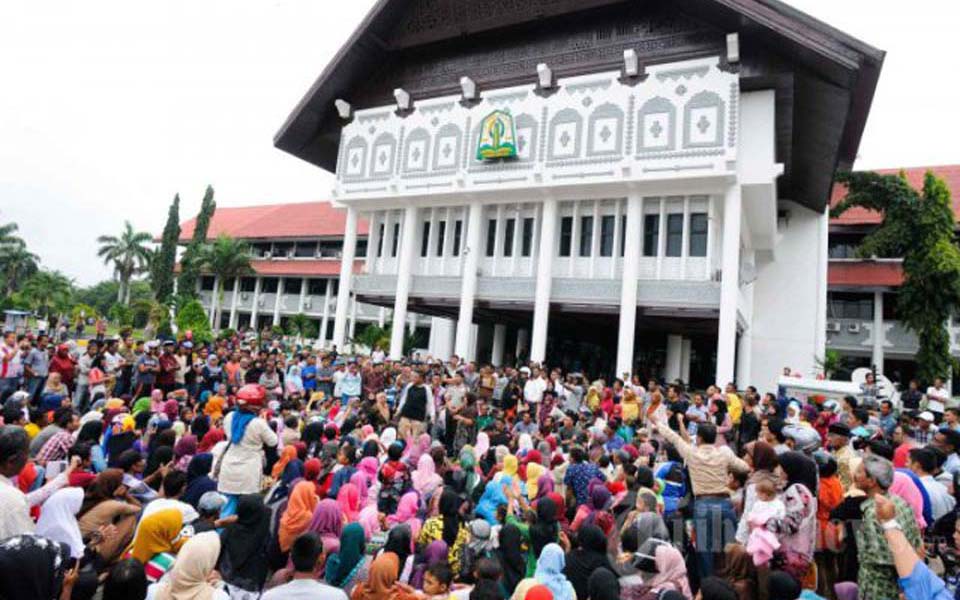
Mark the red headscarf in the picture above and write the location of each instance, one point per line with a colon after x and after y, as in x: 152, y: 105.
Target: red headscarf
x: 210, y: 439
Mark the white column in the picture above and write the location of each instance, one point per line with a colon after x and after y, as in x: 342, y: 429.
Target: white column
x: 442, y: 332
x: 408, y: 237
x: 661, y: 236
x: 616, y: 240
x: 685, y: 352
x: 470, y: 256
x: 276, y: 305
x: 744, y: 359
x: 729, y: 285
x: 372, y: 239
x: 594, y: 239
x: 685, y: 238
x: 233, y: 303
x: 255, y: 306
x: 523, y: 339
x: 499, y: 344
x: 215, y: 301
x: 674, y: 369
x: 878, y: 332
x: 541, y: 303
x: 628, y: 285
x: 324, y: 322
x: 381, y: 317
x: 820, y: 334
x: 304, y: 283
x: 346, y: 278
x: 353, y: 315
x: 411, y: 323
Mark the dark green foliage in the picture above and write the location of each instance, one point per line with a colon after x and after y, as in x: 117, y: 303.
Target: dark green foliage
x: 191, y: 262
x: 193, y: 318
x: 161, y: 271
x: 919, y: 227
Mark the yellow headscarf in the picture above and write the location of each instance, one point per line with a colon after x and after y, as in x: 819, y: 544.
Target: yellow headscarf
x: 534, y: 471
x: 158, y: 533
x: 510, y: 465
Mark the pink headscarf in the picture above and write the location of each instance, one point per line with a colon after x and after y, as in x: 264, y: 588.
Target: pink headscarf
x: 369, y: 466
x: 327, y: 522
x: 904, y: 487
x: 671, y: 571
x: 418, y: 448
x: 156, y: 401
x: 407, y: 513
x: 349, y: 500
x: 483, y: 444
x: 362, y: 483
x: 171, y: 409
x: 425, y: 479
x: 369, y: 519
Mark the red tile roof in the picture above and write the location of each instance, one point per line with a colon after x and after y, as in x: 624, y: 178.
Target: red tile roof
x: 864, y: 273
x: 272, y: 221
x: 860, y: 216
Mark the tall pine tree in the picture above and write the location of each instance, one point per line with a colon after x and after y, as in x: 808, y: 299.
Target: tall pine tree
x: 190, y: 262
x: 166, y: 258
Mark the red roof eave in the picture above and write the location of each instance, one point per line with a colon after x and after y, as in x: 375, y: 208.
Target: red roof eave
x: 868, y: 274
x: 297, y: 268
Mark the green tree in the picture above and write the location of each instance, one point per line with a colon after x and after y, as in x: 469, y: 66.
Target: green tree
x: 121, y: 315
x: 48, y: 292
x: 16, y: 264
x: 191, y: 262
x: 918, y: 227
x: 193, y: 318
x: 129, y: 254
x: 226, y: 258
x: 161, y: 272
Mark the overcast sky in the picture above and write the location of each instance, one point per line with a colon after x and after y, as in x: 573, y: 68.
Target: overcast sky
x: 110, y: 107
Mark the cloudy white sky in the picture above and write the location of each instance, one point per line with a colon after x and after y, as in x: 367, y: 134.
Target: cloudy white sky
x: 109, y: 107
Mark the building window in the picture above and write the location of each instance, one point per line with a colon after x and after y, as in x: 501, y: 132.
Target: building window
x: 526, y: 245
x: 457, y: 234
x: 843, y: 245
x: 248, y: 284
x: 283, y: 250
x: 508, y: 232
x: 305, y: 250
x: 441, y: 236
x: 361, y: 249
x: 292, y: 286
x: 586, y: 236
x: 316, y: 287
x: 396, y: 239
x: 698, y: 234
x: 380, y: 233
x: 207, y: 283
x: 566, y: 235
x: 674, y: 234
x: 268, y: 285
x: 425, y: 240
x: 331, y: 249
x: 607, y: 224
x: 491, y: 236
x: 849, y: 305
x: 623, y: 234
x: 651, y: 235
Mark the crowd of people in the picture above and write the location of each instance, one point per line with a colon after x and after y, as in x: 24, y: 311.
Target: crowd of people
x: 242, y: 469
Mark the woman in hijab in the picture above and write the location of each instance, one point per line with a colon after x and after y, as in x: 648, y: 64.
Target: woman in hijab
x: 58, y: 520
x: 107, y: 503
x: 381, y: 583
x: 349, y: 500
x: 185, y: 450
x: 32, y: 568
x: 739, y: 571
x: 448, y: 527
x: 157, y: 541
x: 118, y: 439
x: 602, y: 585
x: 671, y: 571
x: 369, y: 519
x: 349, y: 566
x: 198, y: 479
x: 599, y: 501
x: 512, y: 556
x: 188, y: 579
x: 466, y: 422
x: 289, y: 453
x: 296, y: 518
x: 406, y: 512
x: 435, y: 552
x: 425, y: 478
x: 468, y: 464
x: 590, y: 555
x: 210, y: 439
x: 417, y: 448
x: 91, y: 432
x: 493, y: 498
x: 400, y: 543
x: 549, y: 572
x: 534, y: 472
x: 797, y: 530
x: 327, y: 522
x: 763, y: 460
x: 243, y: 556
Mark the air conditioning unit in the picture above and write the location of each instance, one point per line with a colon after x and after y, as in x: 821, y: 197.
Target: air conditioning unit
x: 260, y: 301
x: 244, y: 296
x: 290, y: 254
x: 307, y: 304
x: 268, y: 254
x: 853, y: 328
x: 833, y: 327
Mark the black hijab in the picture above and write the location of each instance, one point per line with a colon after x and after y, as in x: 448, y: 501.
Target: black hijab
x: 243, y: 544
x: 450, y: 513
x: 370, y: 449
x: 159, y: 457
x: 799, y: 469
x: 587, y: 558
x: 603, y: 585
x: 545, y: 530
x: 32, y: 568
x: 198, y: 479
x: 511, y: 557
x: 398, y: 541
x: 118, y: 444
x: 90, y: 432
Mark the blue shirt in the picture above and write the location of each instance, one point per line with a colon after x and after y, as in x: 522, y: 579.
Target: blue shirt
x: 922, y: 584
x: 309, y: 376
x: 350, y: 385
x: 578, y: 478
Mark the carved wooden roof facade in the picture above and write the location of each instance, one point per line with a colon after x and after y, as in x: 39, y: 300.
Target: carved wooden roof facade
x: 824, y: 79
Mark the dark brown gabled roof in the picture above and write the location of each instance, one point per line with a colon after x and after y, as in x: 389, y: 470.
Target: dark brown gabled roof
x: 824, y: 78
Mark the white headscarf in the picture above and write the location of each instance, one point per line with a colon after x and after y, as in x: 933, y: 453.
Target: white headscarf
x: 58, y: 519
x: 388, y: 437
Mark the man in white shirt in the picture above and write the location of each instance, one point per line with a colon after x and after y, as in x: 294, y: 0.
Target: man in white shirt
x: 533, y: 389
x: 304, y: 554
x: 15, y: 505
x: 10, y: 363
x: 923, y: 462
x: 937, y: 397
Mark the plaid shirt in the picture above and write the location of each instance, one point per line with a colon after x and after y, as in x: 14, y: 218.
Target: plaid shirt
x: 56, y: 448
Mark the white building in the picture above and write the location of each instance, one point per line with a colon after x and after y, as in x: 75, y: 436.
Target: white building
x: 664, y: 208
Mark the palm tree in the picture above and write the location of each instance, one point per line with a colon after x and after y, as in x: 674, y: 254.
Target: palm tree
x: 48, y: 292
x: 16, y: 264
x: 7, y: 237
x: 129, y: 254
x: 227, y: 258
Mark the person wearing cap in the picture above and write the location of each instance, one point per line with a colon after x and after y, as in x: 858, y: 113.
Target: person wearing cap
x: 89, y: 360
x: 146, y: 369
x: 838, y: 440
x: 923, y: 430
x: 239, y: 467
